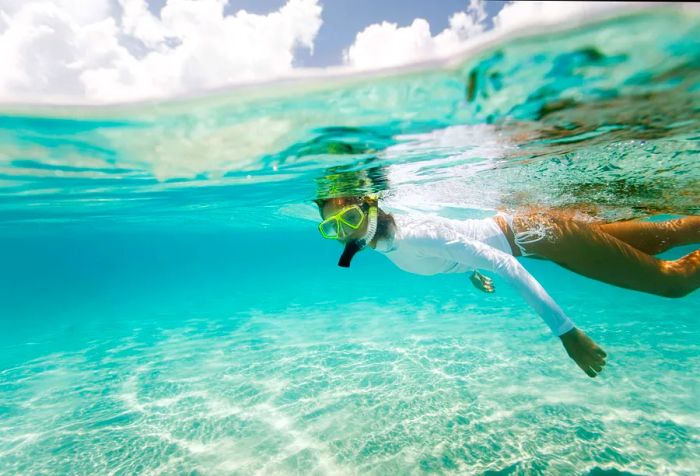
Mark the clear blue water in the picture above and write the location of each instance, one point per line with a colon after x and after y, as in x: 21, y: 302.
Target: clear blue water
x: 168, y: 307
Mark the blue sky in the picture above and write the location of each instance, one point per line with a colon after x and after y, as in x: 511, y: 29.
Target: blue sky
x: 343, y: 19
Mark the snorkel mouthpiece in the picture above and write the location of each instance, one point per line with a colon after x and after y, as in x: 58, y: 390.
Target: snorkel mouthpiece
x: 352, y: 247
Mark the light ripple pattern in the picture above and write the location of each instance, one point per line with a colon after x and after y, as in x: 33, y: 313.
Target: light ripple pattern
x: 384, y: 389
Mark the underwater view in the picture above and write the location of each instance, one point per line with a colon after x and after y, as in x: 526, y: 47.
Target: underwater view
x: 168, y: 305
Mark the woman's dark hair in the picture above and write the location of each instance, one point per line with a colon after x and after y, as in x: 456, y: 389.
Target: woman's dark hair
x: 350, y: 184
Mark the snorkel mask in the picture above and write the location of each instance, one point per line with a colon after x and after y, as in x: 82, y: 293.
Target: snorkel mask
x: 352, y: 217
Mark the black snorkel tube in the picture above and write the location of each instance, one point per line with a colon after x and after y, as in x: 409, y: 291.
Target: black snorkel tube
x: 349, y: 252
x: 354, y: 246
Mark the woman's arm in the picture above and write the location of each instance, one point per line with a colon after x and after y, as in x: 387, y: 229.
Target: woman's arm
x: 587, y: 355
x: 482, y: 256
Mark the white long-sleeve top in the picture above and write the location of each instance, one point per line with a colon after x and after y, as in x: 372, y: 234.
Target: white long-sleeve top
x: 431, y: 245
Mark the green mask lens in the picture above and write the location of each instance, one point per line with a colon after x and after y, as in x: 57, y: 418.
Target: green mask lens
x: 351, y: 216
x: 329, y: 228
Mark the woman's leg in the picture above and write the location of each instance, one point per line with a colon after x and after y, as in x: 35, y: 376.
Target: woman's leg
x: 655, y: 237
x: 585, y: 249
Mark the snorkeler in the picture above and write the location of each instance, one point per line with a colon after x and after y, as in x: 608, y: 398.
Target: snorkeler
x: 619, y: 253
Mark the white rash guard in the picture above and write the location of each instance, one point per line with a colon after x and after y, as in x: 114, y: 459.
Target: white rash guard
x: 430, y: 245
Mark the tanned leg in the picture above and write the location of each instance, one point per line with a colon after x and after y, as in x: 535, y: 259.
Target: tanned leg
x: 655, y: 237
x: 587, y: 250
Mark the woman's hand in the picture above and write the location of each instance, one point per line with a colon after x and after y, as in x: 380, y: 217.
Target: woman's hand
x: 481, y: 282
x: 584, y: 351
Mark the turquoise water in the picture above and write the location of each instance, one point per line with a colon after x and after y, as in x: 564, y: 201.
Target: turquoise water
x: 168, y: 307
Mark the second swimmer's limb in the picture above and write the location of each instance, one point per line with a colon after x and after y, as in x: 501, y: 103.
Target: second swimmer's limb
x: 481, y: 282
x: 586, y: 353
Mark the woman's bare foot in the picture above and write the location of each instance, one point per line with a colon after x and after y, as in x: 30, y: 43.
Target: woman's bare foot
x: 584, y: 351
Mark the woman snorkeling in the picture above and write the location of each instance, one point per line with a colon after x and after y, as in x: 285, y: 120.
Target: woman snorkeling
x: 619, y: 253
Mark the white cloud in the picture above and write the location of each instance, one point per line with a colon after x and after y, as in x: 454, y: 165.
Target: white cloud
x: 515, y: 15
x: 112, y: 50
x: 387, y: 44
x: 118, y: 50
